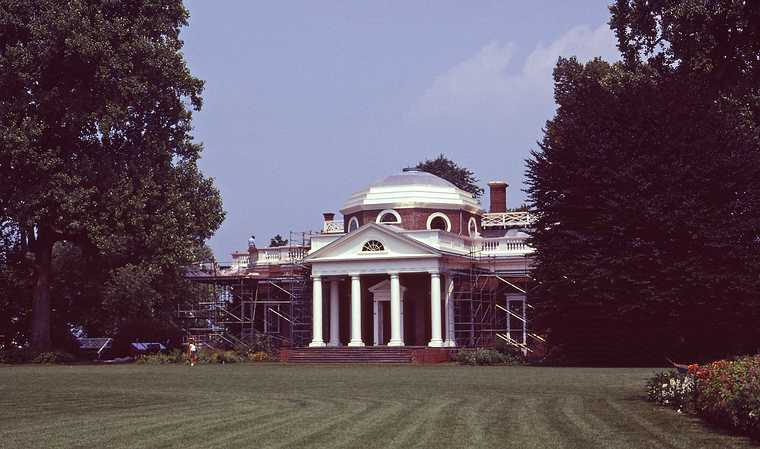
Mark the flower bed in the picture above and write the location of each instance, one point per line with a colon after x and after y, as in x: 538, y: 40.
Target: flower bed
x: 724, y: 393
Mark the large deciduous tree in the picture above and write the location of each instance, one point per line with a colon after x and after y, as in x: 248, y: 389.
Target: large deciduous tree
x: 95, y: 144
x: 449, y: 170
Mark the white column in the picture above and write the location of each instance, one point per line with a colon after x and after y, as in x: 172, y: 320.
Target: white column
x: 435, y: 310
x: 449, y: 301
x: 397, y: 338
x: 316, y: 313
x: 376, y: 322
x: 334, y: 314
x: 356, y: 312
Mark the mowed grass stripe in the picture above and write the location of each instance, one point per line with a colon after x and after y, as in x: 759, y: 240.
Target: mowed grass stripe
x: 282, y: 406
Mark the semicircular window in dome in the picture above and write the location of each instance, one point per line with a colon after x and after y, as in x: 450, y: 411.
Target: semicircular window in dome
x: 373, y: 246
x: 438, y: 221
x: 388, y: 216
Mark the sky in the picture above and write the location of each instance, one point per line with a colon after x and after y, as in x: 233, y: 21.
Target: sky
x: 308, y: 102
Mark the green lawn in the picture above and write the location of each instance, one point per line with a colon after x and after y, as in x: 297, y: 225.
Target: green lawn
x: 288, y: 406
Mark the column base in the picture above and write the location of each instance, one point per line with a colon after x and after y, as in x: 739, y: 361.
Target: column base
x: 436, y: 343
x: 333, y: 343
x: 317, y: 344
x: 355, y: 343
x: 449, y: 344
x: 396, y: 343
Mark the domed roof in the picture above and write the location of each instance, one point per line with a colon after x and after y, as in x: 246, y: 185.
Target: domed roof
x: 411, y: 189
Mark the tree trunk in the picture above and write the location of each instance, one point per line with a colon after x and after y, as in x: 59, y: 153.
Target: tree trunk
x: 43, y: 253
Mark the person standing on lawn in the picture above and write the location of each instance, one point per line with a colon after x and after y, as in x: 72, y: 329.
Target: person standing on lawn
x: 192, y: 351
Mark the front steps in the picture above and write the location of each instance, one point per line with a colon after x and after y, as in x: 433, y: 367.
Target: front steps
x: 367, y: 354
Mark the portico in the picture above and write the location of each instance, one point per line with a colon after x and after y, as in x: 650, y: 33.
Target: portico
x: 377, y: 262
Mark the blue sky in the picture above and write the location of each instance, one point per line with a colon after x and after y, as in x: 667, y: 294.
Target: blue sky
x: 307, y: 102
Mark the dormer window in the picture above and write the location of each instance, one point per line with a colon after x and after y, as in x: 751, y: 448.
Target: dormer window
x: 372, y: 246
x: 388, y: 216
x: 439, y: 221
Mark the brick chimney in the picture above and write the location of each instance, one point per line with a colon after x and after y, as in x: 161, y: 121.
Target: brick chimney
x: 329, y: 216
x: 498, y: 196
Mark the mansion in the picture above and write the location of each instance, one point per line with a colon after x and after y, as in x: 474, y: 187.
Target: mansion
x: 415, y: 261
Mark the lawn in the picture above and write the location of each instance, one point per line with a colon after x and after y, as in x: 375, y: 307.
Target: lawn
x: 288, y: 406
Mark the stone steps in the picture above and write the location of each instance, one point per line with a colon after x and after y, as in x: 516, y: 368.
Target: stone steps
x: 350, y: 355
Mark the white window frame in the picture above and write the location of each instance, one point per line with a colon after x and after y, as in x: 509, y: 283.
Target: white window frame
x: 355, y: 222
x: 388, y: 211
x: 435, y: 215
x: 472, y: 223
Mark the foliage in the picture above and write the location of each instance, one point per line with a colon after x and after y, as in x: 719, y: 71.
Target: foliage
x: 638, y: 226
x: 450, y: 171
x: 717, y: 40
x: 163, y: 358
x: 277, y: 241
x: 16, y: 355
x: 725, y: 393
x: 728, y: 394
x: 214, y: 356
x: 55, y: 357
x: 96, y: 152
x: 486, y: 356
x: 673, y: 389
x: 260, y: 356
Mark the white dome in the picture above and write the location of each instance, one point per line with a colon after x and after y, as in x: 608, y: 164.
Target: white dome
x: 411, y: 189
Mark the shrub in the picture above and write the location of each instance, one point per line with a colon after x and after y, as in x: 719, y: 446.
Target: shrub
x: 54, y: 357
x: 729, y: 394
x: 17, y: 355
x: 175, y: 356
x: 485, y: 356
x: 673, y: 389
x: 259, y: 356
x: 725, y: 393
x: 211, y: 356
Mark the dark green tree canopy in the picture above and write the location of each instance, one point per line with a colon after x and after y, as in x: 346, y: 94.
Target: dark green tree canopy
x: 277, y: 240
x: 450, y: 171
x: 647, y: 192
x: 95, y: 144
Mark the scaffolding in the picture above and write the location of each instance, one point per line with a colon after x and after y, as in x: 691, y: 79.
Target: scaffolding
x: 261, y: 305
x: 490, y: 304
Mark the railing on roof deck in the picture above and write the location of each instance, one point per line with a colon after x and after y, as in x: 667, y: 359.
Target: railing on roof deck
x: 502, y: 246
x: 281, y: 254
x: 333, y: 227
x: 502, y: 219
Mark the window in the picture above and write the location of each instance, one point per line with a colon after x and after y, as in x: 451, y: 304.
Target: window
x: 472, y: 227
x: 372, y: 246
x: 353, y: 224
x: 439, y: 221
x: 388, y: 216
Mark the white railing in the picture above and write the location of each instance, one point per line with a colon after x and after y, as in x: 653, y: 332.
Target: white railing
x: 333, y: 227
x: 281, y: 254
x: 502, y: 246
x: 502, y: 219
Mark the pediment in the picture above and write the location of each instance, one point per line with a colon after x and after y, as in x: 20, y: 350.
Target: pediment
x: 362, y: 244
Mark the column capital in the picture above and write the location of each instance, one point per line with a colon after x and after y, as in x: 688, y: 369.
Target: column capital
x: 354, y: 275
x: 436, y: 273
x: 393, y: 274
x: 316, y: 277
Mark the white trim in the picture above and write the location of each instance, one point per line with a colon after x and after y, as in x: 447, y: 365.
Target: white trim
x: 354, y: 221
x: 435, y: 215
x: 388, y: 211
x: 472, y: 221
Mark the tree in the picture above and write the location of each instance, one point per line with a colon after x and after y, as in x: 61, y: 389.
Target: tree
x: 277, y: 240
x: 450, y: 171
x: 95, y: 144
x: 718, y: 39
x: 647, y: 192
